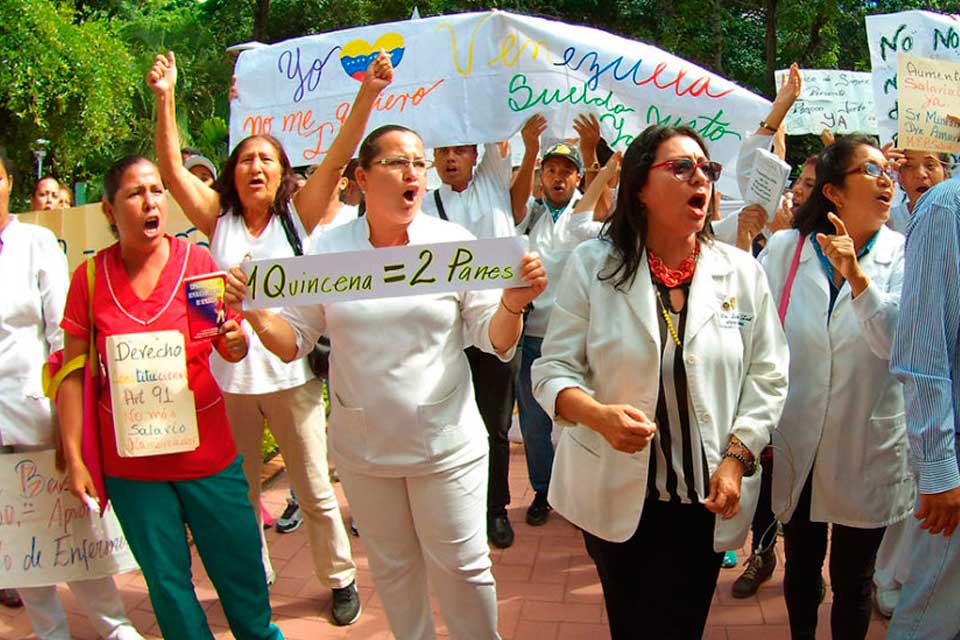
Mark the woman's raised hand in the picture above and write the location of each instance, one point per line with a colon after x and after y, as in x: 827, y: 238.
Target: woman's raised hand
x: 533, y: 272
x: 379, y: 73
x: 163, y: 74
x: 838, y: 248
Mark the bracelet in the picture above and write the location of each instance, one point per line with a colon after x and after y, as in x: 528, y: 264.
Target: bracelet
x: 509, y: 310
x: 764, y: 125
x: 749, y: 466
x: 594, y: 168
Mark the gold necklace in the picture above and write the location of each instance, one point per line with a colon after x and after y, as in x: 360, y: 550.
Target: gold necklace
x: 666, y: 316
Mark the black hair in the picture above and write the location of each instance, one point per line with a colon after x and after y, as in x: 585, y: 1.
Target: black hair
x: 832, y: 166
x: 350, y: 171
x: 369, y: 147
x: 111, y: 180
x: 225, y: 184
x: 627, y: 227
x: 6, y: 162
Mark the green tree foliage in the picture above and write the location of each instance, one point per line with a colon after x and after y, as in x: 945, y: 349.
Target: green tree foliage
x: 72, y: 71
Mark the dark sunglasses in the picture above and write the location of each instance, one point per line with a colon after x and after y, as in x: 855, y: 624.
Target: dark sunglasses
x: 683, y: 168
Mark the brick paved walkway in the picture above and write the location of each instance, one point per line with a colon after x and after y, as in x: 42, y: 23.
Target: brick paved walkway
x: 546, y: 585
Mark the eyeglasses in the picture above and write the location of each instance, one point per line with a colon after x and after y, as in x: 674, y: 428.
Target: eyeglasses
x: 399, y: 165
x: 874, y: 170
x: 683, y: 168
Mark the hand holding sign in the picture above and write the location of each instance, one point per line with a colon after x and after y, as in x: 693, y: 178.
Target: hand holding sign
x: 535, y: 275
x: 379, y: 73
x: 232, y: 342
x: 162, y: 78
x: 79, y: 480
x: 842, y: 254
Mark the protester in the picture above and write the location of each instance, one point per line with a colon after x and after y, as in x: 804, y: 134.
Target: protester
x: 46, y: 195
x: 254, y: 211
x: 138, y: 288
x: 412, y: 457
x: 918, y: 171
x: 479, y: 199
x: 555, y: 229
x: 661, y: 336
x: 839, y: 450
x: 202, y: 167
x: 35, y: 276
x: 66, y: 198
x: 925, y: 360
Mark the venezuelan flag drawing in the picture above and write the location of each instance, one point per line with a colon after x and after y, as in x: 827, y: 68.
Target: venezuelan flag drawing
x: 356, y: 55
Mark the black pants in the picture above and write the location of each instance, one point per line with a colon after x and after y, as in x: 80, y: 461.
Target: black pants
x: 764, y: 526
x: 852, y: 555
x: 659, y: 583
x: 494, y: 385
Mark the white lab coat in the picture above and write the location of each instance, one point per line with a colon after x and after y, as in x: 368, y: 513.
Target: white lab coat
x: 401, y: 398
x: 35, y: 283
x: 844, y: 418
x: 607, y: 342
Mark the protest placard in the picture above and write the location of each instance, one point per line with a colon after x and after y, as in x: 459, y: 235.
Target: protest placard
x: 917, y: 33
x: 385, y: 273
x: 928, y: 91
x: 841, y: 101
x: 46, y: 535
x: 767, y: 181
x: 476, y: 78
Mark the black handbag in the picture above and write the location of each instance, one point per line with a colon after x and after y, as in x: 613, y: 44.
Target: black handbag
x: 319, y: 358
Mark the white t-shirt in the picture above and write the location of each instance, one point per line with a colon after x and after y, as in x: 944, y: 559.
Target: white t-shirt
x: 260, y: 371
x: 346, y: 213
x: 484, y: 207
x: 554, y: 241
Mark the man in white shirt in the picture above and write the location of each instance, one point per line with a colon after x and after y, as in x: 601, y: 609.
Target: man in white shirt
x: 479, y: 198
x: 555, y: 230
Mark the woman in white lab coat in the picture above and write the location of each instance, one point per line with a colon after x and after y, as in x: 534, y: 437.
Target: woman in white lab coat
x: 840, y: 452
x: 661, y: 336
x: 410, y: 446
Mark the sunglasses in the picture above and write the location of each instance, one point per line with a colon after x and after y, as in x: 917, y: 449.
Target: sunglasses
x: 683, y: 168
x: 874, y: 170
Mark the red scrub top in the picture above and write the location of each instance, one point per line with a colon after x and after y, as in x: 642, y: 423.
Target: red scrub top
x: 118, y: 310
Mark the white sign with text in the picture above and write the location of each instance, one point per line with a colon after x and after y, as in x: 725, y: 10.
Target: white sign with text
x: 841, y: 101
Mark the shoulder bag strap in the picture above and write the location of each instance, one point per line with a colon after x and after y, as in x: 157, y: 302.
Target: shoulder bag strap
x: 92, y: 349
x: 791, y: 275
x: 440, y: 210
x: 292, y: 236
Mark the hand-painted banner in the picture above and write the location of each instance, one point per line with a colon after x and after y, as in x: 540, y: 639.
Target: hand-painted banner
x: 385, y: 273
x: 82, y: 231
x: 476, y: 78
x: 46, y: 535
x: 841, y: 101
x: 929, y: 90
x: 918, y: 33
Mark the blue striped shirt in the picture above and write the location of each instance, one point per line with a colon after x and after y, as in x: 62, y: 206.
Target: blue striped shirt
x: 925, y: 355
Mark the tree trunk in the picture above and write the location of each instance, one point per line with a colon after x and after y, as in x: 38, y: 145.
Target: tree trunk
x: 771, y: 46
x: 717, y: 37
x: 260, y: 20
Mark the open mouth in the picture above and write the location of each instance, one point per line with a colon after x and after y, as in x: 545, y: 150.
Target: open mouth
x: 152, y: 223
x: 922, y: 189
x: 409, y: 196
x: 885, y: 198
x: 698, y: 201
x: 257, y: 182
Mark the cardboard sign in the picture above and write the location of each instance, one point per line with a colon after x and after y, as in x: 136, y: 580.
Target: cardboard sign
x: 46, y: 535
x: 917, y: 33
x: 153, y: 407
x: 841, y: 101
x: 477, y: 78
x: 385, y: 273
x: 929, y: 90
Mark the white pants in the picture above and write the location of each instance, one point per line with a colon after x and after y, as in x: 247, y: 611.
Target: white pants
x: 432, y: 525
x: 893, y: 556
x: 98, y: 598
x: 296, y: 419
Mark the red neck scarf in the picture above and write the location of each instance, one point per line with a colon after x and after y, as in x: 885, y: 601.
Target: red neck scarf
x: 672, y: 278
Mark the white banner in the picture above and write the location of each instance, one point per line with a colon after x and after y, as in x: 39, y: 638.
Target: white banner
x: 919, y: 33
x: 46, y: 535
x: 390, y: 272
x: 476, y: 78
x: 841, y: 101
